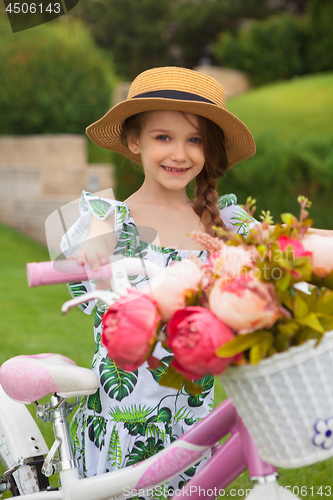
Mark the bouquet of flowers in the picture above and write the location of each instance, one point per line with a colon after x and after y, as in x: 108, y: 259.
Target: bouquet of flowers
x: 256, y: 295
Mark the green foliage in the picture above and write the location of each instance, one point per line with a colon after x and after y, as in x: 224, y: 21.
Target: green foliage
x: 320, y: 46
x: 57, y: 82
x: 270, y: 50
x: 311, y: 316
x: 145, y: 34
x: 128, y: 176
x: 280, y: 171
x: 280, y: 46
x: 174, y: 379
x: 136, y: 33
x: 201, y: 21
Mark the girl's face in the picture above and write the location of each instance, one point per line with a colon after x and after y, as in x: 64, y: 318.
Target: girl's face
x: 171, y: 148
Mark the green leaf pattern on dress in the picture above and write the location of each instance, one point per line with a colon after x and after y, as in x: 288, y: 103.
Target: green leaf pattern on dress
x: 241, y: 220
x: 117, y: 383
x: 115, y: 449
x: 226, y: 200
x: 94, y: 402
x: 96, y: 430
x: 77, y: 290
x: 142, y: 450
x: 206, y: 383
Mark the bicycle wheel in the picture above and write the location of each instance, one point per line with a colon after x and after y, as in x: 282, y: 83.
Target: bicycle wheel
x: 27, y: 479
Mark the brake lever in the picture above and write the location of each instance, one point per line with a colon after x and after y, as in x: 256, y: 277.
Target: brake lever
x: 105, y: 296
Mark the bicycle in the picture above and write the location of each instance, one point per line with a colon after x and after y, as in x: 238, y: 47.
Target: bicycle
x: 24, y: 452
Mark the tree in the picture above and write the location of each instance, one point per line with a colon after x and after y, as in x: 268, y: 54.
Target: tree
x: 141, y: 34
x: 321, y: 35
x: 148, y: 33
x: 136, y: 32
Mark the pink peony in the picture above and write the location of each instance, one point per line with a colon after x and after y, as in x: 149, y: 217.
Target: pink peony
x: 181, y: 278
x: 194, y: 335
x: 244, y: 304
x: 321, y: 248
x: 229, y: 262
x: 296, y: 245
x: 129, y: 330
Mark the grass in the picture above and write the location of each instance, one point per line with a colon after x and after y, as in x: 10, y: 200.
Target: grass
x: 31, y: 319
x: 289, y: 109
x: 31, y: 323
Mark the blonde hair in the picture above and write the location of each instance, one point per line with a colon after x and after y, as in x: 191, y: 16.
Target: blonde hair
x: 216, y: 164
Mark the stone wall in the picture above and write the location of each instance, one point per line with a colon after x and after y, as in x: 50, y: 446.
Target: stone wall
x: 233, y: 82
x: 40, y: 174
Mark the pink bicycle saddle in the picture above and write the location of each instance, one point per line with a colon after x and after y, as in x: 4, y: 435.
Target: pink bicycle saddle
x: 29, y: 378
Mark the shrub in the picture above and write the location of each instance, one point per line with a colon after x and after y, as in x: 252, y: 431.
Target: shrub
x: 280, y: 171
x: 320, y: 45
x: 269, y: 50
x: 53, y: 82
x: 128, y: 176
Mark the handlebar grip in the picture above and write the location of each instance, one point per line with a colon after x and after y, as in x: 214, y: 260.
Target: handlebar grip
x: 63, y: 271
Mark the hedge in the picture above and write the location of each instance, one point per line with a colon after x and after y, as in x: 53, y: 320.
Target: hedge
x: 281, y: 46
x: 269, y: 50
x: 56, y: 81
x: 280, y: 171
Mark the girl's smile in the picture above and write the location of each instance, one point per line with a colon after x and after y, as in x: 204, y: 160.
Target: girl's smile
x: 175, y: 171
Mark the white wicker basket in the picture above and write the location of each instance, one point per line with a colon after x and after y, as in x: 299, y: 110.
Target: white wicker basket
x: 286, y: 403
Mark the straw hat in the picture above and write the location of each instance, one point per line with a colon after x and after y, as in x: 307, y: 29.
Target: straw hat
x: 174, y: 89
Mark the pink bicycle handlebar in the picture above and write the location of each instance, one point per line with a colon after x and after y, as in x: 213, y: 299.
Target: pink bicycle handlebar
x: 63, y: 271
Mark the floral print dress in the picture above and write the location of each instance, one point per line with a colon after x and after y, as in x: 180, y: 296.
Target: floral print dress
x: 131, y: 417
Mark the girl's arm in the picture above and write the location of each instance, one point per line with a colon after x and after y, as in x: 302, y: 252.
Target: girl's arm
x: 322, y: 232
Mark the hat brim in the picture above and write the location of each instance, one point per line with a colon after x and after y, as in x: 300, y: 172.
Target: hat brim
x: 106, y: 132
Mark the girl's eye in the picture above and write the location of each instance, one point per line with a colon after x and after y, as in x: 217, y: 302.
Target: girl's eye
x: 162, y: 137
x: 195, y: 140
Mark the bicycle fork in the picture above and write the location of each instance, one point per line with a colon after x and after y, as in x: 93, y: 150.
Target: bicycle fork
x: 57, y: 412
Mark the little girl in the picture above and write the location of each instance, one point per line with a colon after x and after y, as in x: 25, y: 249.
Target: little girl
x: 173, y: 123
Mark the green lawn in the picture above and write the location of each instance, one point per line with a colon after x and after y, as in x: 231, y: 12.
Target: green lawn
x: 31, y: 323
x: 289, y: 109
x: 31, y: 319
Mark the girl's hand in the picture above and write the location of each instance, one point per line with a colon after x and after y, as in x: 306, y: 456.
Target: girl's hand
x: 99, y: 244
x: 94, y: 252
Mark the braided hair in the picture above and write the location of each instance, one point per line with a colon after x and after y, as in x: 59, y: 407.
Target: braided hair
x: 216, y: 164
